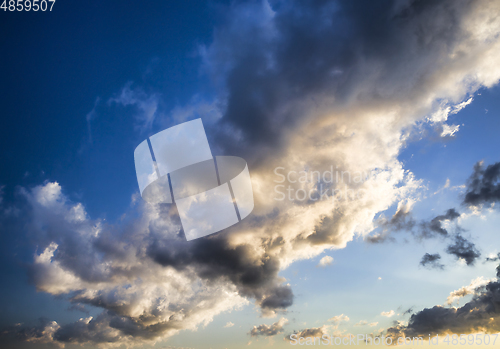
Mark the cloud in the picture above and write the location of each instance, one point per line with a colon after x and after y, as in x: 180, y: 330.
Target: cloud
x: 309, y: 333
x: 463, y: 249
x: 483, y: 185
x: 445, y: 186
x: 460, y: 247
x: 390, y: 313
x: 442, y: 115
x: 480, y: 315
x: 146, y: 104
x: 40, y: 333
x: 269, y: 330
x: 431, y: 261
x: 365, y: 323
x: 475, y: 284
x: 449, y: 130
x: 92, y: 263
x: 336, y: 320
x: 229, y: 324
x: 435, y: 226
x: 91, y: 116
x: 325, y: 261
x: 298, y: 85
x: 400, y: 221
x: 493, y: 258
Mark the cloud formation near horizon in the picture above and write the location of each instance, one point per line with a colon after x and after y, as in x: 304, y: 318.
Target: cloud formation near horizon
x: 479, y: 315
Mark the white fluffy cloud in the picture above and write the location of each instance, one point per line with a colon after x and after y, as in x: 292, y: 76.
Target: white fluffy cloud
x: 390, y: 313
x: 456, y: 295
x: 325, y: 261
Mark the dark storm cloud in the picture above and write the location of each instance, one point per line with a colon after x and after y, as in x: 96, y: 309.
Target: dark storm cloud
x: 431, y: 261
x: 481, y: 314
x: 213, y: 258
x: 483, y: 185
x: 271, y: 66
x: 463, y: 249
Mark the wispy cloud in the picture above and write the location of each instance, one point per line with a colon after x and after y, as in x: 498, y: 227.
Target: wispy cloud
x: 146, y: 104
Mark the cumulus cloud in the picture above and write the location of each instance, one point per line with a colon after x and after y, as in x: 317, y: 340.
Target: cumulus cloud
x: 337, y: 320
x: 390, y: 313
x: 435, y: 226
x: 40, y: 333
x: 309, y: 333
x: 228, y: 324
x: 299, y: 85
x: 475, y: 284
x: 431, y: 261
x: 403, y: 220
x: 438, y: 226
x: 483, y: 185
x: 463, y: 249
x: 269, y: 330
x: 325, y: 261
x: 106, y: 266
x: 480, y: 315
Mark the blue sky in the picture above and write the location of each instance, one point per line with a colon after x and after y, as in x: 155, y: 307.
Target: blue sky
x: 362, y: 86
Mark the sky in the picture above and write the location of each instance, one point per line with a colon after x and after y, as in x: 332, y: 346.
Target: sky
x: 400, y: 99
